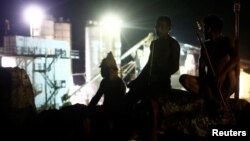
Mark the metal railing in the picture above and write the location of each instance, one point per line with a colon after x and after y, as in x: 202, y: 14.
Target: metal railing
x: 39, y: 52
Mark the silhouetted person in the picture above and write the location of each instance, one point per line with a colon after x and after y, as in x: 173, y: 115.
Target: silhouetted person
x: 216, y: 82
x: 162, y: 63
x: 154, y: 80
x: 113, y: 88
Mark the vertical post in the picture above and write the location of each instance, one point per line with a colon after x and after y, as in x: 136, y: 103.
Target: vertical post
x: 237, y: 23
x: 31, y: 29
x: 7, y: 27
x: 45, y: 79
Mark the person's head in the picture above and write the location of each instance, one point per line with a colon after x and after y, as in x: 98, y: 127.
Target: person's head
x: 163, y: 26
x: 108, y: 66
x: 212, y: 24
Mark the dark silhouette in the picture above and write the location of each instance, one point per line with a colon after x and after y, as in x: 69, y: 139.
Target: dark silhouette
x: 162, y: 63
x: 113, y: 88
x: 217, y: 63
x: 154, y: 80
x: 17, y: 104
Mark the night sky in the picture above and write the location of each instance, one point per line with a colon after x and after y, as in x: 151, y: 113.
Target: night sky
x: 138, y: 17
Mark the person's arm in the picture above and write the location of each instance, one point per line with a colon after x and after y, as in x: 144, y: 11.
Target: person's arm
x: 166, y: 61
x: 234, y: 59
x: 171, y: 62
x: 202, y: 72
x: 174, y: 65
x: 97, y: 96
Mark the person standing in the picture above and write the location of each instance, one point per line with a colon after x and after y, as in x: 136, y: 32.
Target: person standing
x: 155, y: 78
x: 163, y: 62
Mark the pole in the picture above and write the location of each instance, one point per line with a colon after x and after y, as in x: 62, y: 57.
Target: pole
x: 236, y: 41
x: 201, y: 38
x: 45, y: 80
x: 31, y: 29
x: 7, y: 27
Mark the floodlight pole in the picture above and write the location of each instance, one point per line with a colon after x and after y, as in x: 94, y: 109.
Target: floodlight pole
x: 31, y: 29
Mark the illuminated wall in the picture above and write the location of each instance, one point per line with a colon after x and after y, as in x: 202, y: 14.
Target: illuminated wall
x: 50, y: 76
x: 244, y: 85
x: 99, y: 41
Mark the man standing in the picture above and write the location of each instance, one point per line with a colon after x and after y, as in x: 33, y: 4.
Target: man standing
x: 162, y: 63
x: 155, y: 78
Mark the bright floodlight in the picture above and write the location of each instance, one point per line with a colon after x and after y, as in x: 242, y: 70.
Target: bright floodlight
x: 111, y: 23
x: 34, y: 15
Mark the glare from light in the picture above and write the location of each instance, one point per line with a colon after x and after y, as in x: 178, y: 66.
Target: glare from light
x: 187, y: 45
x: 244, y: 85
x: 34, y: 15
x: 90, y: 22
x: 8, y: 62
x: 111, y: 23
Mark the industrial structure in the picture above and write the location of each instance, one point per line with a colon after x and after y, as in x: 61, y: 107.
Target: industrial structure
x: 101, y: 37
x: 98, y: 42
x: 46, y: 57
x: 98, y: 45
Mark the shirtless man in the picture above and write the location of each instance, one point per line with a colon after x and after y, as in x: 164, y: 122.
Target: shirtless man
x: 219, y: 78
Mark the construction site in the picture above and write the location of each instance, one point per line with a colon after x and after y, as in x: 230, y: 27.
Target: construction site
x: 41, y: 100
x: 47, y: 57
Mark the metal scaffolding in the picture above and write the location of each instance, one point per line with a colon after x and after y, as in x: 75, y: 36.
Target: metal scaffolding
x: 27, y: 57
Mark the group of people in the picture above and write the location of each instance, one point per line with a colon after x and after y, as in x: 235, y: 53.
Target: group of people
x: 216, y: 80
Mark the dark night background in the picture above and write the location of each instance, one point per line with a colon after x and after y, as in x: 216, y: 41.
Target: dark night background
x: 138, y: 16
